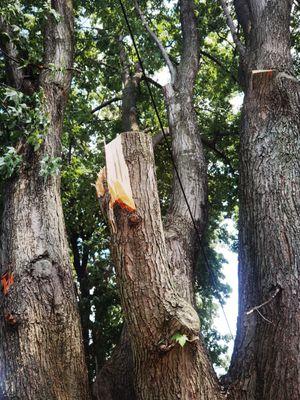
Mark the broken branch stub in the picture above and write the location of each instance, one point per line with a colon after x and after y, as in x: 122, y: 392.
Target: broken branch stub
x: 114, y: 178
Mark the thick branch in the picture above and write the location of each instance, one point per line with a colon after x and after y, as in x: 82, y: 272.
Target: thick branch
x: 232, y: 27
x: 59, y: 46
x: 16, y: 75
x: 190, y: 35
x: 154, y: 83
x: 106, y: 103
x: 156, y: 40
x: 157, y: 139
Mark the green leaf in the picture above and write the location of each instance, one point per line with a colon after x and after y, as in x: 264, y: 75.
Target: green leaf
x: 50, y: 166
x: 180, y: 338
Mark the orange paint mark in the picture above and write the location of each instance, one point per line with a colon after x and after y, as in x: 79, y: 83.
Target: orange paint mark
x: 123, y: 205
x: 10, y: 319
x: 7, y: 279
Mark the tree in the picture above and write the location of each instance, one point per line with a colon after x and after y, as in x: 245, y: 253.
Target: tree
x: 266, y: 355
x: 41, y: 352
x: 99, y: 26
x: 179, y: 236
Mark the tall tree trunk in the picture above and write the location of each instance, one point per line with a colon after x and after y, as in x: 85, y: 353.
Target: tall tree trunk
x: 188, y: 373
x: 265, y: 363
x: 41, y: 352
x: 155, y: 311
x: 115, y: 379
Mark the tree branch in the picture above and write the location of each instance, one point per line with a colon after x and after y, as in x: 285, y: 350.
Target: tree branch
x: 212, y: 146
x: 153, y: 82
x: 218, y: 62
x: 154, y: 37
x: 9, y: 57
x: 16, y: 75
x: 190, y: 35
x: 159, y: 137
x: 256, y: 308
x: 232, y: 28
x: 105, y: 104
x: 156, y: 139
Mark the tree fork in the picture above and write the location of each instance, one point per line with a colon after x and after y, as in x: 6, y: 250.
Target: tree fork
x: 154, y: 310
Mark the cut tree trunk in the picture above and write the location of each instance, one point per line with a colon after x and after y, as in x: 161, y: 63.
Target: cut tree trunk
x: 154, y: 310
x: 265, y: 362
x: 41, y: 351
x: 182, y: 242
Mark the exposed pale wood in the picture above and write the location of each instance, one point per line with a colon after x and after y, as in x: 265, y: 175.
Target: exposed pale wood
x: 117, y: 175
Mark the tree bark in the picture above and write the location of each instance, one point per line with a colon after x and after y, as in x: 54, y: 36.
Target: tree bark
x: 41, y: 352
x: 131, y: 81
x: 154, y: 310
x: 115, y: 379
x: 182, y: 242
x: 265, y: 363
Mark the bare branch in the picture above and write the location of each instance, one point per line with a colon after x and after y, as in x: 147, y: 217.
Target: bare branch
x: 219, y: 63
x: 263, y: 317
x: 232, y: 28
x: 105, y: 104
x: 9, y: 57
x: 211, y: 145
x: 163, y: 51
x: 256, y: 308
x: 156, y: 139
x: 153, y: 82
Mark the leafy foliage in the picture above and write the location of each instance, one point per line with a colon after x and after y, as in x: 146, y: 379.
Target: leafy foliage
x: 9, y: 162
x: 50, y: 166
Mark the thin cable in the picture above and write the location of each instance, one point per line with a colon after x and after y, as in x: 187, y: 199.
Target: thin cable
x: 210, y: 271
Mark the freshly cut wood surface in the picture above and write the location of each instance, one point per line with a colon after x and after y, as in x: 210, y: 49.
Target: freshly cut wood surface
x: 118, y: 180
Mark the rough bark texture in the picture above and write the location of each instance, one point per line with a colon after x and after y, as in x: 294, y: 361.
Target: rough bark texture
x: 182, y: 243
x: 153, y: 308
x: 265, y: 363
x: 115, y: 380
x: 41, y: 352
x: 131, y: 81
